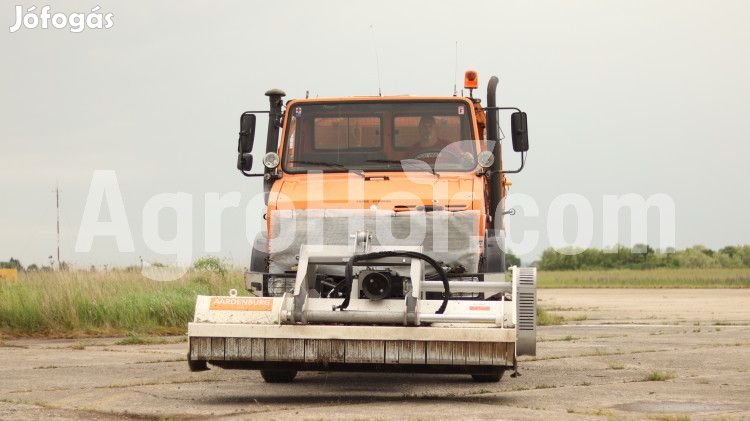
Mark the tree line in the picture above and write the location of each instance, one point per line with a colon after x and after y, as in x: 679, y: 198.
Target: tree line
x: 644, y: 257
x: 14, y: 263
x: 637, y: 257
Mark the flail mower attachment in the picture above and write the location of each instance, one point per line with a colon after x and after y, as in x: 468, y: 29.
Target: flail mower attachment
x: 379, y: 318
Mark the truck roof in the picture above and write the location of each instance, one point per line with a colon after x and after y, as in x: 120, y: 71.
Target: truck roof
x: 383, y: 98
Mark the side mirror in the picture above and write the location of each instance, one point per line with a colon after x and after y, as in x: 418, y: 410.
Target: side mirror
x: 245, y: 142
x: 245, y: 162
x: 519, y: 131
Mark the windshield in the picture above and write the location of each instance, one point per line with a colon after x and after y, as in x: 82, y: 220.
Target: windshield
x: 379, y: 136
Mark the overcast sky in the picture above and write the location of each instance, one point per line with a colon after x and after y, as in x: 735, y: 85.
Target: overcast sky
x: 622, y: 97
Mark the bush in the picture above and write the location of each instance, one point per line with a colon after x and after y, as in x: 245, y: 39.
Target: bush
x: 511, y: 260
x: 12, y: 264
x: 211, y: 264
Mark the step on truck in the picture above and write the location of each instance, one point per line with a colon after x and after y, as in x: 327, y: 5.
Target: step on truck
x: 381, y: 246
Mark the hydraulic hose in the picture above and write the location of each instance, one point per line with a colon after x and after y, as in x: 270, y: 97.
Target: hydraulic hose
x: 380, y: 254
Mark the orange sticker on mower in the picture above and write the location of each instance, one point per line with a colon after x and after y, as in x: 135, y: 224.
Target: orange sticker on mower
x: 241, y: 303
x: 483, y: 308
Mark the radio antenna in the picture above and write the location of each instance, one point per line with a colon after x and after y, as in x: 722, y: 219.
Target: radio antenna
x: 455, y: 73
x: 57, y: 203
x: 377, y: 59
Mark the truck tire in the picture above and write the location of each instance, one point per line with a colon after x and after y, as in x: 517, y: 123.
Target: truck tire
x: 278, y: 376
x: 259, y: 254
x: 494, y: 256
x: 196, y: 365
x: 490, y: 376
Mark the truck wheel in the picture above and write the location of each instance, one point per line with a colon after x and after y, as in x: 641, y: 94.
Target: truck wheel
x: 490, y: 376
x: 196, y: 365
x: 278, y: 376
x: 494, y: 256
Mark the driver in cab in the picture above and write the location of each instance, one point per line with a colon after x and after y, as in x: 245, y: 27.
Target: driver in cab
x: 429, y: 145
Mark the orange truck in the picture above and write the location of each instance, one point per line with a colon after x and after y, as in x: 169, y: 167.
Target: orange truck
x: 382, y: 243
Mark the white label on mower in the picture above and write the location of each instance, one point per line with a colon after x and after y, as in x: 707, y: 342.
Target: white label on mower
x: 241, y: 303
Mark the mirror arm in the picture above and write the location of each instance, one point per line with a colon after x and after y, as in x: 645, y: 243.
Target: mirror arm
x: 501, y: 108
x: 523, y: 154
x: 270, y: 176
x: 523, y: 162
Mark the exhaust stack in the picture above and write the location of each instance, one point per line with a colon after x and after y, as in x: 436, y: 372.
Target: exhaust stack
x: 492, y: 135
x: 274, y: 126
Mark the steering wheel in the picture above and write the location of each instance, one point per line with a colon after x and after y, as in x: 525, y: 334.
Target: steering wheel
x: 445, y: 154
x: 430, y: 154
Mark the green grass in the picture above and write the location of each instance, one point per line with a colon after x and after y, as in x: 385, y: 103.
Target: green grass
x: 135, y: 339
x: 659, y: 376
x: 80, y: 345
x: 545, y: 318
x: 79, y: 304
x: 671, y: 418
x: 119, y: 303
x: 4, y: 344
x: 600, y: 412
x: 648, y: 278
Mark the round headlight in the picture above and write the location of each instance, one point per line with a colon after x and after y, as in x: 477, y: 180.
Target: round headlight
x: 271, y: 160
x: 485, y: 159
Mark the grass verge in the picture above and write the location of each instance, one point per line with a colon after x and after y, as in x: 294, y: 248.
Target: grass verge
x: 78, y: 304
x: 648, y: 278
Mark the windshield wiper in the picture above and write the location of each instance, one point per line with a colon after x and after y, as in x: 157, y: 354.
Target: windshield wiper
x: 330, y: 165
x: 406, y: 165
x: 320, y: 163
x: 384, y: 161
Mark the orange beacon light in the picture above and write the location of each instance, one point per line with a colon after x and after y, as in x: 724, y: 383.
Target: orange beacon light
x: 471, y: 79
